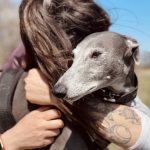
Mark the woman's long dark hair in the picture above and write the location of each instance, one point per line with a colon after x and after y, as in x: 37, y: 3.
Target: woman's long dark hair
x: 50, y: 29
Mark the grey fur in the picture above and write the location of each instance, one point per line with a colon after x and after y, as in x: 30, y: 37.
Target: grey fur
x: 104, y: 59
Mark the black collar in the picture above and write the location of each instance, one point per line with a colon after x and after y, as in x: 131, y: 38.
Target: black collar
x: 106, y: 94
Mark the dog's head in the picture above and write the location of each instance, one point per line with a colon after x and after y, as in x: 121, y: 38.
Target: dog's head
x: 101, y: 60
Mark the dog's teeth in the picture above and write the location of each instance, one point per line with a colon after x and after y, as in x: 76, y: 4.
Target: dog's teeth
x: 112, y: 100
x: 108, y: 77
x: 105, y: 99
x: 104, y: 91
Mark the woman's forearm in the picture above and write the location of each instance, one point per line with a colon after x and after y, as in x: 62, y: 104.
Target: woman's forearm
x: 119, y: 124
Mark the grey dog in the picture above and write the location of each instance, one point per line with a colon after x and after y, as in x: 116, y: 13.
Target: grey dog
x: 102, y: 60
x: 103, y: 69
x: 103, y: 64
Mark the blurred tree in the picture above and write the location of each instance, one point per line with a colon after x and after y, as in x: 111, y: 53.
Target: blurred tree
x: 9, y: 29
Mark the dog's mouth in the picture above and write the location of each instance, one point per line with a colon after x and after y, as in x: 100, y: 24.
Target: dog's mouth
x: 76, y: 98
x: 73, y: 99
x: 106, y: 94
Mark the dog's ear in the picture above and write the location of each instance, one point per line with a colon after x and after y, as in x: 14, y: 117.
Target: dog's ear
x: 133, y: 49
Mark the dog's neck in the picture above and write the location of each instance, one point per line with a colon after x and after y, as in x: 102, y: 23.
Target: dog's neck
x: 129, y: 84
x: 126, y: 90
x: 120, y: 92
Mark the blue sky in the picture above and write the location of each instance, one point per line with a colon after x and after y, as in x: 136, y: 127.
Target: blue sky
x: 129, y: 17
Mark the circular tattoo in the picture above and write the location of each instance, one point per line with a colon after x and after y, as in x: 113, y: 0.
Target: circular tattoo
x: 120, y: 134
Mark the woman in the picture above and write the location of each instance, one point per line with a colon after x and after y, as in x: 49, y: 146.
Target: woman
x: 44, y: 23
x: 76, y: 31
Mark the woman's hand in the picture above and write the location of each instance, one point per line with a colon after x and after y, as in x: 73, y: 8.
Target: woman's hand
x: 37, y: 129
x: 37, y: 90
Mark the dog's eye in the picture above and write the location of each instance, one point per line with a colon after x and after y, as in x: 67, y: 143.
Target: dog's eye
x: 72, y: 55
x: 70, y: 62
x: 95, y: 54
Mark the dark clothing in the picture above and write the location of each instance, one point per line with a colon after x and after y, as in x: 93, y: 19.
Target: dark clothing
x: 70, y: 137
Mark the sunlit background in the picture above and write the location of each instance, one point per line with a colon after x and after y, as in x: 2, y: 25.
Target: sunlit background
x: 129, y: 17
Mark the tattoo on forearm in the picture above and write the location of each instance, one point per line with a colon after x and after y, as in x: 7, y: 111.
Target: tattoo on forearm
x: 112, y: 121
x: 130, y: 115
x: 120, y: 134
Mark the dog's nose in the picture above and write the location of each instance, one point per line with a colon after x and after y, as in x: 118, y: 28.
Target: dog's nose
x: 59, y: 91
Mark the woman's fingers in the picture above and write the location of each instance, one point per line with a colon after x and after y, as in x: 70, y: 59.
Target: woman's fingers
x: 36, y: 89
x: 51, y: 114
x: 43, y: 109
x: 48, y: 141
x: 52, y: 133
x: 55, y: 124
x: 50, y: 118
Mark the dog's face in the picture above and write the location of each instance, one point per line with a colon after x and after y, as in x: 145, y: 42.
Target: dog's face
x: 100, y: 60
